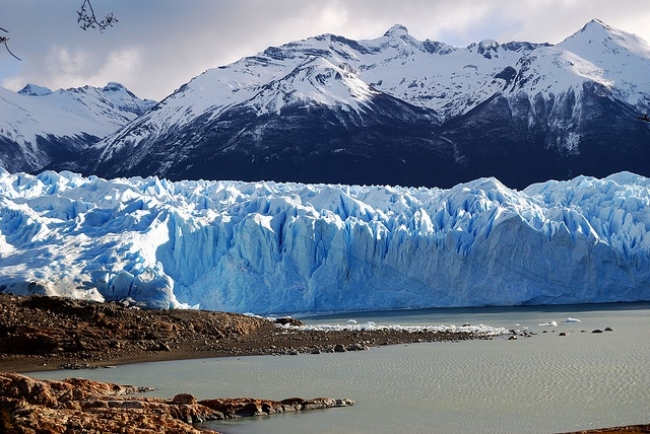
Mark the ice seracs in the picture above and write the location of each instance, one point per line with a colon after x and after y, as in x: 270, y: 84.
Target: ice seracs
x: 267, y: 247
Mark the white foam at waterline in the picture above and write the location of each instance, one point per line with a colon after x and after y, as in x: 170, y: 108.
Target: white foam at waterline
x: 549, y: 324
x: 569, y: 319
x: 372, y: 326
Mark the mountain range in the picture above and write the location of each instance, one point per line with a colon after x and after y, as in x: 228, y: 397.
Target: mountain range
x: 39, y: 126
x: 391, y: 110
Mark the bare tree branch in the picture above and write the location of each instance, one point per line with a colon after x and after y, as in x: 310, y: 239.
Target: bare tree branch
x: 3, y: 40
x: 88, y: 20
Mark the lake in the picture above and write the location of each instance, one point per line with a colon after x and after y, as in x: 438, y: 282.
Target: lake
x: 542, y: 384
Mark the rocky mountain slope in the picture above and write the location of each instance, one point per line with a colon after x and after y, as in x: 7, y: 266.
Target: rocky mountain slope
x: 396, y: 110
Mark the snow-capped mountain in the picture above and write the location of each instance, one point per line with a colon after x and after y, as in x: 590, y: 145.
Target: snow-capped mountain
x: 396, y: 110
x: 39, y: 126
x: 271, y: 247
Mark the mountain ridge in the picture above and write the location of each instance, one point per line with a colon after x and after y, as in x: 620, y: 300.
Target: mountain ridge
x: 40, y: 126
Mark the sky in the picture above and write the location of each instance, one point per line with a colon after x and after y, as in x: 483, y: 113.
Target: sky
x: 158, y: 45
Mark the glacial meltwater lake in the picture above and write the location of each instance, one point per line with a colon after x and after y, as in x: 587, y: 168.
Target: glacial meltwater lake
x: 543, y: 384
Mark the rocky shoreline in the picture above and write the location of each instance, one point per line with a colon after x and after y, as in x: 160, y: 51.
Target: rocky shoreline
x: 630, y: 429
x: 47, y: 333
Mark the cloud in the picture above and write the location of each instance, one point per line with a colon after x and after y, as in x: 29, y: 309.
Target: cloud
x: 84, y: 67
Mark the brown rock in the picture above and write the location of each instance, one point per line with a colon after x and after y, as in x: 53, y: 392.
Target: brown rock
x: 184, y: 398
x: 28, y: 405
x: 629, y: 429
x: 338, y: 348
x: 288, y: 321
x: 247, y: 407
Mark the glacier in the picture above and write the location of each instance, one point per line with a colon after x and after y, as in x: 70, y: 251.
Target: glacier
x: 268, y: 247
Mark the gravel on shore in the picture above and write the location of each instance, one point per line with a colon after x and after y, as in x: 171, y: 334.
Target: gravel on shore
x: 40, y: 333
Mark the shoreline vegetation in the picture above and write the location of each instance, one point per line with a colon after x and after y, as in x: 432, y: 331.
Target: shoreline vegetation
x: 39, y: 333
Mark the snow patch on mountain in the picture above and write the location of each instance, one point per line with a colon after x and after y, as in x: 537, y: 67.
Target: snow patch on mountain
x: 621, y: 59
x: 37, y: 111
x: 316, y: 81
x: 268, y: 247
x: 34, y: 90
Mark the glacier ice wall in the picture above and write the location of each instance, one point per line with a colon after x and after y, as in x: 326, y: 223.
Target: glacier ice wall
x: 268, y: 247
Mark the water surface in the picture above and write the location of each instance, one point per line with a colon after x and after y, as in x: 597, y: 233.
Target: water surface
x: 543, y: 384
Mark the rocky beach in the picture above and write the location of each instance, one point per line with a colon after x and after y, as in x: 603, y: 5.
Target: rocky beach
x: 28, y: 405
x: 48, y: 333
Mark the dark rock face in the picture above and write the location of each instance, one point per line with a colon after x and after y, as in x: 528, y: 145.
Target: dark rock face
x: 515, y: 139
x: 520, y: 142
x: 391, y: 144
x: 48, y: 150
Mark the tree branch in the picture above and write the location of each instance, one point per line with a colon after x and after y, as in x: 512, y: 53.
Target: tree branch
x: 3, y: 40
x: 88, y: 20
